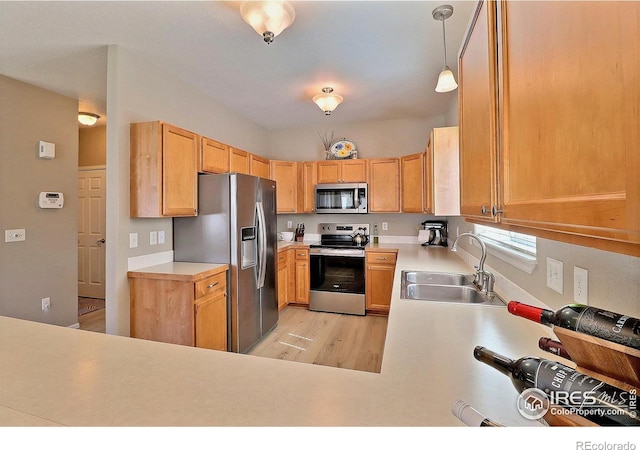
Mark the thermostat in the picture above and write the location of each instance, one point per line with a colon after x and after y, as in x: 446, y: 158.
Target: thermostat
x: 46, y: 150
x: 51, y: 200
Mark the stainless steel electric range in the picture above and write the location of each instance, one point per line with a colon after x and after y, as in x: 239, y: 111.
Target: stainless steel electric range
x: 338, y: 268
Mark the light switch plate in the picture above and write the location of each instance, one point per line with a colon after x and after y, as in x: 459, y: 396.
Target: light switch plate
x: 555, y: 275
x: 161, y: 237
x: 153, y: 238
x: 580, y: 285
x: 133, y: 240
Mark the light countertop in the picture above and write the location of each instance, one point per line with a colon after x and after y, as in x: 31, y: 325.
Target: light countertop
x: 62, y: 376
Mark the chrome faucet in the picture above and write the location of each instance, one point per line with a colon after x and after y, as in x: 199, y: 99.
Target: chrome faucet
x: 483, y: 280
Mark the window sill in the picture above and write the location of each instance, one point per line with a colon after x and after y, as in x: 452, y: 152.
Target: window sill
x: 525, y: 263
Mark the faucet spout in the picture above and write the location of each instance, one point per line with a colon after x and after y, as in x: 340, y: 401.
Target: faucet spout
x: 483, y: 280
x: 483, y: 247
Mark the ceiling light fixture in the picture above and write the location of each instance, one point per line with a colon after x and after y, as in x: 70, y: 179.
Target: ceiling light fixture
x: 269, y: 19
x: 327, y: 101
x: 446, y: 80
x: 88, y: 119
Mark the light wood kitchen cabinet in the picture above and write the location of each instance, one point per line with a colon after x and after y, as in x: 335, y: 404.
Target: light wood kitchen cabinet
x: 285, y: 174
x: 164, y: 168
x: 384, y: 185
x: 342, y: 171
x: 564, y: 119
x: 283, y: 278
x: 176, y: 304
x: 239, y: 161
x: 307, y: 187
x: 303, y: 282
x: 413, y: 183
x: 259, y: 166
x: 214, y: 156
x: 427, y: 167
x: 381, y: 267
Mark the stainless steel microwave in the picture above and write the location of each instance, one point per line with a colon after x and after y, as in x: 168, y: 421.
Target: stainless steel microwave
x: 342, y: 198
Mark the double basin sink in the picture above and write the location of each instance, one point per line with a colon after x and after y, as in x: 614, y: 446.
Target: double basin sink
x: 444, y: 287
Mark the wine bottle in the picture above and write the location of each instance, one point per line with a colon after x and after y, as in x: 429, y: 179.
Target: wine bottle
x: 583, y: 395
x: 555, y: 347
x: 470, y: 416
x: 585, y: 319
x: 375, y: 233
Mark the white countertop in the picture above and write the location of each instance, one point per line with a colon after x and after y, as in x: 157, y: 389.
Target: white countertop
x: 62, y: 376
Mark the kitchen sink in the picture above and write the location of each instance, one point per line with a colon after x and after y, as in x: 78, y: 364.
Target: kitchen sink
x: 444, y: 287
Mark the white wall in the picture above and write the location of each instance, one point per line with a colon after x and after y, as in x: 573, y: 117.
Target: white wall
x: 139, y: 92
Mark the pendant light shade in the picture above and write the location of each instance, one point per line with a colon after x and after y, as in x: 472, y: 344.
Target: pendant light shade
x: 88, y: 119
x: 269, y: 19
x: 446, y: 80
x: 327, y: 101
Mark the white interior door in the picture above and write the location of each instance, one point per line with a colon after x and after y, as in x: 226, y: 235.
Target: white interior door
x: 91, y: 232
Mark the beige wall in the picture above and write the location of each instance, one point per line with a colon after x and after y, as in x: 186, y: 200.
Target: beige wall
x: 45, y: 264
x: 92, y: 150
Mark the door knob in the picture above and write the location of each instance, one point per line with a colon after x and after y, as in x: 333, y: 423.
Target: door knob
x: 101, y: 241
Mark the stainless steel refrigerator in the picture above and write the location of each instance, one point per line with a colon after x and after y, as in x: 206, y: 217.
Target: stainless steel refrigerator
x: 236, y: 225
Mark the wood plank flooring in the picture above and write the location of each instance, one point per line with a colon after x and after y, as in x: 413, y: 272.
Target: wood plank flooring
x: 327, y: 339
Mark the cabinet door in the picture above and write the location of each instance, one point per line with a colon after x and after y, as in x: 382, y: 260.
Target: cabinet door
x: 570, y: 117
x: 285, y: 174
x: 302, y: 276
x: 283, y: 278
x: 446, y: 171
x: 379, y: 281
x: 353, y: 171
x: 427, y: 161
x: 329, y: 171
x: 478, y: 115
x: 238, y: 161
x: 412, y: 183
x: 179, y: 171
x: 309, y: 181
x: 259, y: 166
x: 211, y: 322
x: 384, y: 185
x: 214, y: 156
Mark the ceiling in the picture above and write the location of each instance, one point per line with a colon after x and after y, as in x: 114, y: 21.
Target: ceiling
x: 383, y: 57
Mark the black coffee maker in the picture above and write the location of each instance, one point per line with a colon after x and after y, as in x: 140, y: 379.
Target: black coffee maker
x: 437, y: 232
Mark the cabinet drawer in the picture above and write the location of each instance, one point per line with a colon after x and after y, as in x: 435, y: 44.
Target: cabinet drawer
x: 282, y: 258
x: 381, y: 258
x: 210, y: 285
x: 301, y: 253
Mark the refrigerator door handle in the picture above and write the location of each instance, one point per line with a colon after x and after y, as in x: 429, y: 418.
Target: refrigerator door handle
x: 262, y: 244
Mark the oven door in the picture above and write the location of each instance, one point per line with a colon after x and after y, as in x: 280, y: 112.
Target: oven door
x: 337, y: 283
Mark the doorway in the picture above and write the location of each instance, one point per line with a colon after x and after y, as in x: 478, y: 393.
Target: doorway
x: 91, y: 232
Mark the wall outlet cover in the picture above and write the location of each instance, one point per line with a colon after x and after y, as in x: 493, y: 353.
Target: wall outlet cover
x: 580, y: 285
x: 555, y: 278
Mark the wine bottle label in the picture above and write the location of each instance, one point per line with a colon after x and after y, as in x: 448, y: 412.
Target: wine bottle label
x: 610, y: 326
x: 586, y: 396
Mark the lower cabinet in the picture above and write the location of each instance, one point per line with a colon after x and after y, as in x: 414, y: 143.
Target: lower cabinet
x: 179, y: 303
x: 293, y: 276
x: 381, y: 266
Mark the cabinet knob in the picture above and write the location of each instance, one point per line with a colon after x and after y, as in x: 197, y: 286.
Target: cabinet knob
x: 495, y: 211
x: 484, y: 210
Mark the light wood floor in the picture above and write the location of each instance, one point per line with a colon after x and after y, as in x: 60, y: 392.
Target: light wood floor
x: 327, y: 339
x: 93, y: 321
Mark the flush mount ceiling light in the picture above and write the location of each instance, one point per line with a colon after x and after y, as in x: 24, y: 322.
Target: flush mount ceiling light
x: 269, y: 19
x: 446, y: 80
x: 88, y: 119
x: 327, y: 101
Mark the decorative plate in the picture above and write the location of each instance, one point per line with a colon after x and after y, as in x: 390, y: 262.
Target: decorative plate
x: 342, y: 149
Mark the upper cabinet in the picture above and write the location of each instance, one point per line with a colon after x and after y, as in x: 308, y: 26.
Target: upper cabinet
x: 568, y: 120
x: 342, y: 171
x: 384, y: 185
x: 444, y: 179
x: 285, y: 174
x: 306, y: 189
x: 239, y: 161
x: 412, y: 183
x: 259, y: 166
x: 164, y: 168
x: 214, y: 156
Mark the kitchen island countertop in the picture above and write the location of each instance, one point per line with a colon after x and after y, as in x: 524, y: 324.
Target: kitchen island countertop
x: 62, y: 376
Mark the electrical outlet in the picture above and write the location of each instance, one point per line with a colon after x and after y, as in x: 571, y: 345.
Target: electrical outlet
x: 385, y: 226
x: 153, y: 238
x: 554, y: 275
x: 15, y: 235
x: 580, y: 285
x: 46, y: 303
x: 161, y: 237
x: 133, y: 240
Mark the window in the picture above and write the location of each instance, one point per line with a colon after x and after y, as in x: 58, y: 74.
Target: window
x: 517, y: 249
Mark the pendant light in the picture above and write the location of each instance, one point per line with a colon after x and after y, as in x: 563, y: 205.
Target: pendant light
x: 269, y: 19
x: 327, y: 101
x: 446, y: 80
x: 88, y: 119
